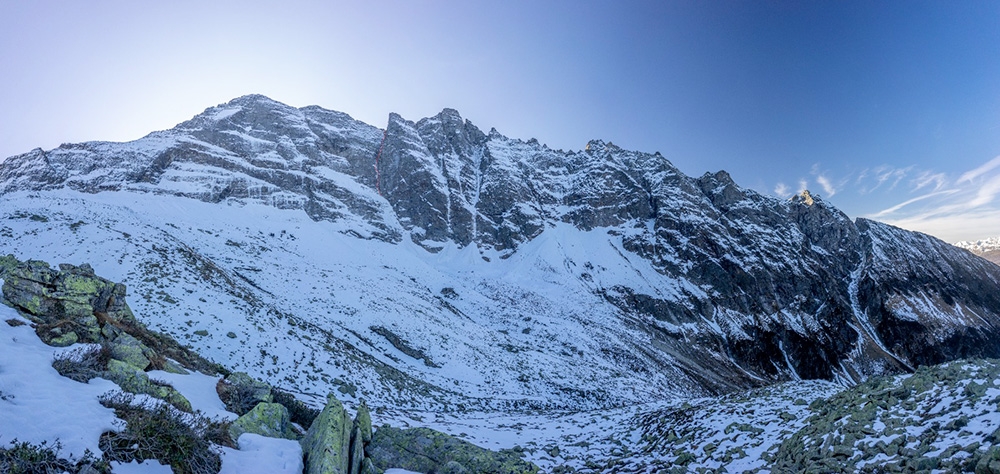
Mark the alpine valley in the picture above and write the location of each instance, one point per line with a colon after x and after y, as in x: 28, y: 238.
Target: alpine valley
x: 595, y: 310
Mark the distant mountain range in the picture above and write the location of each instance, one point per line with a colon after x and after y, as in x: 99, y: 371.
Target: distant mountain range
x: 449, y: 268
x: 988, y: 248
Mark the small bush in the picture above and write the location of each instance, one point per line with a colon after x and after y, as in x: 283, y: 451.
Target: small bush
x: 83, y: 363
x: 155, y: 430
x: 15, y: 322
x: 26, y: 458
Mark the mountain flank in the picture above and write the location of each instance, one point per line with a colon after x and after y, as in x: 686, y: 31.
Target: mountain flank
x: 558, y: 278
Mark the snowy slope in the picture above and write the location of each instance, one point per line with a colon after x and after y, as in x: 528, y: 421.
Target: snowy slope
x: 37, y: 405
x: 432, y: 265
x: 301, y: 299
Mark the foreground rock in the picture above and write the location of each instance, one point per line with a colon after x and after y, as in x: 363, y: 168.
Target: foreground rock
x: 67, y: 303
x: 426, y: 450
x: 327, y: 444
x: 266, y: 419
x: 72, y: 305
x: 241, y: 392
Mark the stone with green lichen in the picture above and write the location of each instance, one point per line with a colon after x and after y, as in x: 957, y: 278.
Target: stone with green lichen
x: 127, y: 348
x: 174, y: 367
x: 326, y: 446
x: 240, y: 392
x: 368, y: 468
x: 70, y: 298
x: 266, y: 419
x: 67, y: 339
x: 363, y: 421
x: 7, y: 263
x: 133, y: 380
x: 357, y: 452
x: 427, y: 450
x: 989, y: 463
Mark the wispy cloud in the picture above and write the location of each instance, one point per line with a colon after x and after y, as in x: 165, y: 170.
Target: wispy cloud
x: 986, y: 193
x: 782, y: 190
x: 927, y: 178
x: 985, y: 168
x: 827, y: 186
x: 901, y: 205
x: 950, y: 209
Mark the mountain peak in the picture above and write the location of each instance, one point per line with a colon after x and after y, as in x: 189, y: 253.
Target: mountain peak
x: 805, y: 197
x: 251, y: 99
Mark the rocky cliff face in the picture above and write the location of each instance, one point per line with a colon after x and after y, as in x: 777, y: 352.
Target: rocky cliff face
x: 741, y: 289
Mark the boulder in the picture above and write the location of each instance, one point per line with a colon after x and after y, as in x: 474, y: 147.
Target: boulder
x: 128, y: 349
x: 363, y: 422
x: 266, y: 419
x: 133, y: 380
x: 7, y: 264
x: 327, y: 444
x: 990, y: 462
x: 368, y: 468
x: 71, y: 299
x: 427, y: 450
x: 241, y: 393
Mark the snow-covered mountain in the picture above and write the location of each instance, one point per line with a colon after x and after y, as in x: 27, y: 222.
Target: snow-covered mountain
x: 431, y: 265
x: 986, y: 248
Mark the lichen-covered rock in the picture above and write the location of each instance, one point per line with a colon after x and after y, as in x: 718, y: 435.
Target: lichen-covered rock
x: 363, y: 422
x: 63, y: 340
x: 357, y: 450
x: 327, y: 443
x: 990, y: 462
x: 7, y: 263
x: 241, y: 393
x: 127, y: 348
x: 266, y: 419
x: 368, y: 468
x: 133, y: 380
x: 71, y: 298
x: 426, y: 450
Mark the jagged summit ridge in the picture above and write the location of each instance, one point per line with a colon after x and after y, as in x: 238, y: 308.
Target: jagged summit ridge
x: 709, y: 285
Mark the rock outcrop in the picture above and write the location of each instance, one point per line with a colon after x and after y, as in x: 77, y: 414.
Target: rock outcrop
x: 327, y: 444
x: 66, y: 304
x: 72, y: 304
x: 241, y: 393
x: 426, y: 450
x: 266, y: 419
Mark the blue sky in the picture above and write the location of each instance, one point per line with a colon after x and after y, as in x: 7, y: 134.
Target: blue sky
x: 888, y: 110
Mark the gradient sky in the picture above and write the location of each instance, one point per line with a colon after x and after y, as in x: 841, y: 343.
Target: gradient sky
x: 889, y: 110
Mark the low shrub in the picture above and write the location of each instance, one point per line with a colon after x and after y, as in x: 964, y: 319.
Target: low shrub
x: 26, y: 458
x: 83, y: 363
x: 156, y: 430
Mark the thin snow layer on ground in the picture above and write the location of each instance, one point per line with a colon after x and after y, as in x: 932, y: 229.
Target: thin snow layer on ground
x: 739, y: 432
x: 260, y: 454
x: 149, y: 466
x: 199, y: 389
x: 288, y: 299
x: 942, y: 417
x: 37, y: 404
